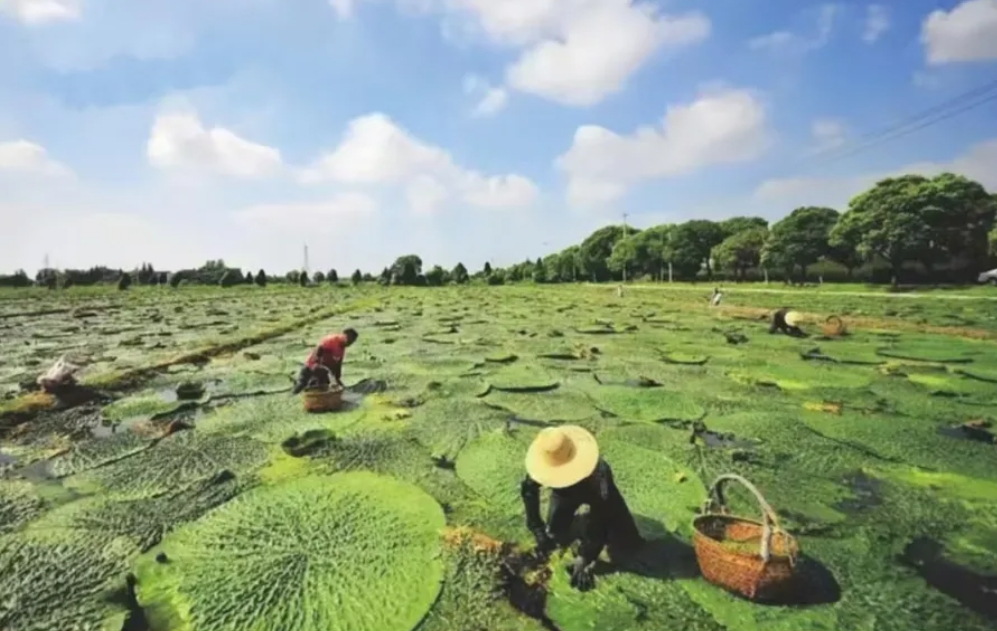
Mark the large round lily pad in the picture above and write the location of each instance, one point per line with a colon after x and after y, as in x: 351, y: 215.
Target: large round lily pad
x: 803, y: 376
x: 648, y: 404
x: 350, y: 552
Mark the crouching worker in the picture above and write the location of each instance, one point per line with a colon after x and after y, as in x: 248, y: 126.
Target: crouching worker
x: 326, y: 360
x: 566, y: 459
x: 787, y: 321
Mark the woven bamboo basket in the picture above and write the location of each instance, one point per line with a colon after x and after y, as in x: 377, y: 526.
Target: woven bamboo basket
x: 834, y: 326
x: 323, y: 399
x: 753, y: 558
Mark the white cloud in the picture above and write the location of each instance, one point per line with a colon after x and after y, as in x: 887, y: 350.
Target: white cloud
x: 490, y: 99
x: 24, y: 157
x: 788, y: 42
x: 877, y: 22
x: 597, y: 49
x: 966, y: 33
x: 346, y: 210
x: 425, y: 195
x: 976, y: 163
x: 376, y: 151
x: 721, y: 126
x: 37, y: 12
x: 573, y: 52
x: 179, y: 141
x: 828, y: 133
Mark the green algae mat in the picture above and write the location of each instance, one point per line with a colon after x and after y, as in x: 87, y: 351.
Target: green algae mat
x: 201, y: 497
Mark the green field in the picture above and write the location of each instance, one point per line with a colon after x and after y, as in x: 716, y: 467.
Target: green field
x: 237, y: 511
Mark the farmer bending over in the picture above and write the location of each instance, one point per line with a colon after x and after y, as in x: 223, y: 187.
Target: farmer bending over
x: 787, y: 321
x: 566, y: 459
x: 325, y: 359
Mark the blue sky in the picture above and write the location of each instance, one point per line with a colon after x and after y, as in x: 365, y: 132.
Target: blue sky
x: 173, y: 131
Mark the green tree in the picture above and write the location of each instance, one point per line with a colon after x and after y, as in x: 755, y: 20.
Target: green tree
x: 357, y: 277
x: 487, y: 269
x: 596, y: 249
x: 435, y: 276
x: 406, y: 268
x: 125, y: 281
x: 891, y: 221
x: 249, y: 278
x: 318, y: 277
x: 801, y: 238
x: 992, y: 242
x: 539, y: 273
x: 303, y: 279
x: 741, y: 251
x: 332, y: 276
x: 960, y: 212
x: 690, y: 245
x: 496, y: 277
x: 261, y: 278
x: 734, y: 225
x: 459, y: 274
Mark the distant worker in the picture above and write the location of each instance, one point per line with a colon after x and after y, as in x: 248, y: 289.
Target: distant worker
x: 787, y: 321
x: 716, y: 298
x: 566, y: 460
x: 326, y: 359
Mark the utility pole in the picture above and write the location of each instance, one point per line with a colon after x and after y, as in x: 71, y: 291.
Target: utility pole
x: 624, y: 236
x: 45, y: 262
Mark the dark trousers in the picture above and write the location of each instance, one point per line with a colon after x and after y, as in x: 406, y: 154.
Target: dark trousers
x: 319, y: 377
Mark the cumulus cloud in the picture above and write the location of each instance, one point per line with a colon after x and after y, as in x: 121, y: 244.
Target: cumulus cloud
x: 573, y: 52
x: 976, y: 163
x: 490, y: 99
x: 179, y: 141
x: 376, y: 151
x: 828, y: 133
x: 27, y: 158
x: 591, y: 52
x: 966, y: 33
x: 720, y: 126
x: 38, y: 12
x: 789, y: 42
x: 877, y: 22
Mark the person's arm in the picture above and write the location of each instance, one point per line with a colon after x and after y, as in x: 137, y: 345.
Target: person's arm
x: 336, y: 368
x: 529, y: 491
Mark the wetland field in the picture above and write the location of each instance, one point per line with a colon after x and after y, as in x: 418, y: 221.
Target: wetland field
x: 184, y: 489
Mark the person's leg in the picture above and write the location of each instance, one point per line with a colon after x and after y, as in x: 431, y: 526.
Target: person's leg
x: 304, y: 376
x: 560, y: 518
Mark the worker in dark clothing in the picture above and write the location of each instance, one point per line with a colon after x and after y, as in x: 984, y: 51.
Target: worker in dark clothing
x: 326, y: 361
x: 787, y: 321
x: 566, y: 459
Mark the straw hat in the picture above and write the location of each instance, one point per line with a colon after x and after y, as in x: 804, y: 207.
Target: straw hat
x: 562, y: 456
x: 793, y: 318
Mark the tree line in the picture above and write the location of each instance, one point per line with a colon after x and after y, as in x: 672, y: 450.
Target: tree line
x: 904, y: 229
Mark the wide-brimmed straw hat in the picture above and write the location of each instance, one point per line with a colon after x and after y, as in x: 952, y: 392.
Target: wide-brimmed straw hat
x: 793, y: 318
x: 562, y: 456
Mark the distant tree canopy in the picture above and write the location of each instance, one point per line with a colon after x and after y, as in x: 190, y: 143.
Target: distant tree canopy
x: 932, y: 229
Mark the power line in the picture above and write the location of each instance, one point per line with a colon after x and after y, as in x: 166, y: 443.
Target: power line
x: 958, y: 104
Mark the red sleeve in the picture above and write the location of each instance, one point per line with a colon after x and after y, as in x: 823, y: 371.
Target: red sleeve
x: 334, y: 347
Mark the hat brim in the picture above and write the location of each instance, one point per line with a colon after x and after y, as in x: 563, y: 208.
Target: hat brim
x: 793, y: 318
x: 581, y: 466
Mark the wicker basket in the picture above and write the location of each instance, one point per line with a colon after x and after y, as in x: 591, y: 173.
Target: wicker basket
x: 748, y: 557
x: 834, y: 326
x: 323, y: 399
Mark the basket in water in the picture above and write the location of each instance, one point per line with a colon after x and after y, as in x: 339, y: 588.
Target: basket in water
x: 753, y: 558
x: 834, y: 326
x: 323, y: 399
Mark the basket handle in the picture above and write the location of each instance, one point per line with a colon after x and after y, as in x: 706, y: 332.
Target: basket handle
x: 716, y: 503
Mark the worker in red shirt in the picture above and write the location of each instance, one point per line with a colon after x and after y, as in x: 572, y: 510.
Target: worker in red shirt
x: 326, y: 359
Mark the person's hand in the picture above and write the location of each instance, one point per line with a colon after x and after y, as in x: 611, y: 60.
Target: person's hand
x: 545, y: 543
x: 581, y: 575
